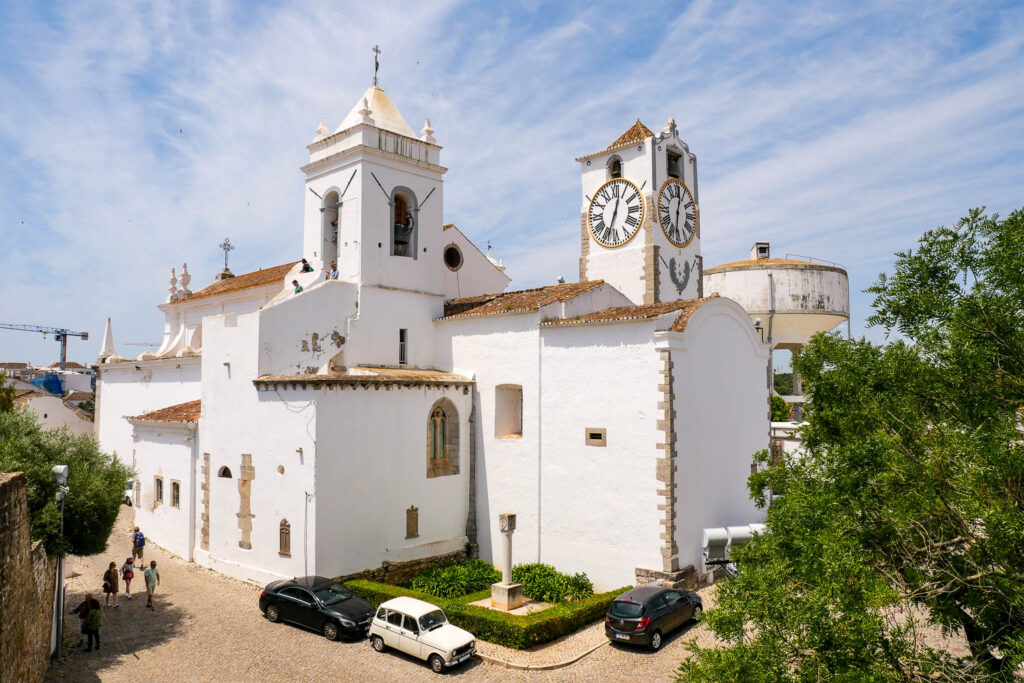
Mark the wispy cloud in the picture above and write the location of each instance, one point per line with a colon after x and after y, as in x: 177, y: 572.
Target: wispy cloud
x: 135, y: 137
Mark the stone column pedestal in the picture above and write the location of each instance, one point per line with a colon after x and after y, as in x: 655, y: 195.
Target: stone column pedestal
x: 507, y: 595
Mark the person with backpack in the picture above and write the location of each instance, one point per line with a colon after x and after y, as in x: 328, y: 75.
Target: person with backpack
x: 90, y: 612
x: 138, y: 543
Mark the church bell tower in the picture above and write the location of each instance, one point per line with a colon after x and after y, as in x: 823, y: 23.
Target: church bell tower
x: 640, y: 219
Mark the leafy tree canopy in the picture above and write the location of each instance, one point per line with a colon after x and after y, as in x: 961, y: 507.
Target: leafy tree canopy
x: 96, y: 482
x: 905, y: 515
x: 780, y: 409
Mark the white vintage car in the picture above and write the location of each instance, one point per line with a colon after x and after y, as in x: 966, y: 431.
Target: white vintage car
x: 421, y: 630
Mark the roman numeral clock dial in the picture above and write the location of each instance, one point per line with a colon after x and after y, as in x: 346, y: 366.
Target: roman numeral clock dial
x: 677, y: 212
x: 616, y: 213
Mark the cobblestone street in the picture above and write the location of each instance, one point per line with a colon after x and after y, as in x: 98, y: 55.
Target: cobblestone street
x: 207, y: 627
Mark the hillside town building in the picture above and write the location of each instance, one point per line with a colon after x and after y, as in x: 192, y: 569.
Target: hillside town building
x: 392, y: 414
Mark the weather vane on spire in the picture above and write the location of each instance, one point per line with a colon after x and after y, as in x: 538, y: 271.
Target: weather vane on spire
x: 226, y: 246
x: 376, y: 62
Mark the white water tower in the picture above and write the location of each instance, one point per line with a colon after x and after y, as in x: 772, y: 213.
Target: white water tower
x: 788, y: 299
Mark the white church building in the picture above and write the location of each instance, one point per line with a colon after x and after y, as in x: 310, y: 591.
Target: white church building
x: 392, y: 414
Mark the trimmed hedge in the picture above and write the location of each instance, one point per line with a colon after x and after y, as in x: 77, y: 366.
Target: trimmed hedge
x: 519, y: 632
x: 456, y: 579
x: 545, y: 583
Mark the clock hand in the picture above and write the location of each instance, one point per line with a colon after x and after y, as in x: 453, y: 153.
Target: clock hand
x: 678, y: 204
x: 615, y: 212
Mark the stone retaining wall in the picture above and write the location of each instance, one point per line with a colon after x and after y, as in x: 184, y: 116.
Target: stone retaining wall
x: 396, y: 573
x: 27, y: 582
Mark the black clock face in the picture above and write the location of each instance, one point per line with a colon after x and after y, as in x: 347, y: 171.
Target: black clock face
x: 677, y: 212
x: 616, y: 213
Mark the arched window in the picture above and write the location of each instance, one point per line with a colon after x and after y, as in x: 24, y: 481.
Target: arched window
x: 614, y: 168
x: 403, y: 223
x: 224, y: 472
x: 442, y: 439
x: 285, y: 535
x: 674, y: 168
x: 330, y: 228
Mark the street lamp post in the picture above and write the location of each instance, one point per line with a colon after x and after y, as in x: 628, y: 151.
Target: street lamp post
x: 60, y: 475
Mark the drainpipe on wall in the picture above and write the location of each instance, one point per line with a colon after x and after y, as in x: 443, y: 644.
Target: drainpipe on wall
x: 540, y: 421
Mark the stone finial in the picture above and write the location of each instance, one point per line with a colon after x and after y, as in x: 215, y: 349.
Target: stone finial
x: 670, y: 126
x: 366, y: 113
x: 186, y: 278
x: 173, y: 289
x: 427, y: 134
x: 107, y: 349
x: 321, y: 130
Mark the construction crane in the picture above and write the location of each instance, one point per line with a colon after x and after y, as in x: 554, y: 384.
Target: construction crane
x: 59, y: 334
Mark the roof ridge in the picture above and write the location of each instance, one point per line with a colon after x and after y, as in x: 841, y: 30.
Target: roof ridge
x: 637, y: 132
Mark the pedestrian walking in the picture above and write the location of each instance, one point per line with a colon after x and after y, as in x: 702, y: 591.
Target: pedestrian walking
x: 138, y: 543
x: 128, y: 573
x: 90, y: 613
x: 152, y: 581
x: 110, y: 586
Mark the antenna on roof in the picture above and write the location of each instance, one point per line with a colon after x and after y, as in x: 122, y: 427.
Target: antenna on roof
x: 376, y: 62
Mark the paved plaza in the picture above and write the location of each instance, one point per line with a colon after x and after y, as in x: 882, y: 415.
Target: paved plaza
x: 207, y: 627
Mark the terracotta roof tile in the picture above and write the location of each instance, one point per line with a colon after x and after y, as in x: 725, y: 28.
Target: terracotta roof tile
x: 637, y: 133
x: 13, y: 366
x: 772, y: 262
x: 516, y: 302
x: 182, y: 412
x: 643, y: 312
x: 256, y: 278
x: 369, y: 376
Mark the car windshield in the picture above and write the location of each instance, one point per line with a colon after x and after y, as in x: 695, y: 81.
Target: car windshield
x: 432, y: 620
x: 626, y: 610
x: 332, y: 593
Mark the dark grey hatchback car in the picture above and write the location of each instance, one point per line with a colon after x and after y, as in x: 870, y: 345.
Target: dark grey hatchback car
x: 319, y: 603
x: 644, y: 615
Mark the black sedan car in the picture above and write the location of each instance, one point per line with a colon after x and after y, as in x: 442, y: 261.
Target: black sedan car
x: 643, y: 615
x: 318, y: 603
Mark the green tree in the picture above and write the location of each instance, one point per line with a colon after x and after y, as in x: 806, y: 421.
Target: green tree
x: 6, y: 393
x: 907, y: 510
x: 780, y: 409
x: 96, y: 482
x: 783, y: 382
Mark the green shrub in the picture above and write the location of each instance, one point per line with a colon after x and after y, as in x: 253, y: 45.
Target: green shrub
x: 545, y: 583
x: 456, y: 579
x: 509, y: 630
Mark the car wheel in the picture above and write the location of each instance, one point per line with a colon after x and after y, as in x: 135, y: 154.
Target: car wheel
x: 331, y: 630
x: 656, y: 641
x: 273, y: 614
x: 436, y: 663
x: 378, y: 643
x: 697, y: 610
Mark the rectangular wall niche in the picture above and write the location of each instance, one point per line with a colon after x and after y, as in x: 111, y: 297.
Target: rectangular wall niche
x: 508, y: 411
x: 596, y: 436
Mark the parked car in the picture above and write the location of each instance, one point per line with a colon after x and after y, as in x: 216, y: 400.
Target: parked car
x: 318, y: 603
x: 421, y: 630
x: 645, y: 614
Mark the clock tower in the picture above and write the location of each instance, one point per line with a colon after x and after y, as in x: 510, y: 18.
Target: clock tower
x: 640, y: 220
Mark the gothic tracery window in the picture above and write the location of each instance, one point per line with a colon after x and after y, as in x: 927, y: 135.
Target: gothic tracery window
x: 437, y: 435
x: 442, y: 439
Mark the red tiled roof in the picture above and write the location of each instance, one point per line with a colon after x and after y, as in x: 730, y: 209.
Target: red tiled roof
x: 637, y: 133
x: 371, y: 376
x: 183, y: 412
x: 643, y: 312
x: 258, y: 278
x: 13, y: 366
x: 516, y: 302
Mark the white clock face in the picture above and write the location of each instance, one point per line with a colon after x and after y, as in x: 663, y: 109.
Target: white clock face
x: 616, y: 213
x: 677, y: 212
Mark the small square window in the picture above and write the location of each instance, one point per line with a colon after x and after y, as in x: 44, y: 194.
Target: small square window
x: 159, y: 489
x: 596, y: 436
x: 175, y: 494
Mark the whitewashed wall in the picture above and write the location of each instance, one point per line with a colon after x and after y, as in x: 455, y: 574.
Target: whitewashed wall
x: 238, y: 420
x: 122, y: 390
x: 51, y: 413
x: 372, y: 466
x: 166, y: 450
x: 477, y: 274
x: 599, y: 509
x: 721, y: 403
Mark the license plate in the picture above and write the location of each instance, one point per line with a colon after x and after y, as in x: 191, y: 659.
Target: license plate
x: 622, y: 636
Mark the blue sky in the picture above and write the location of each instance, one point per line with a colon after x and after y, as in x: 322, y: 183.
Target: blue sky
x: 135, y: 136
